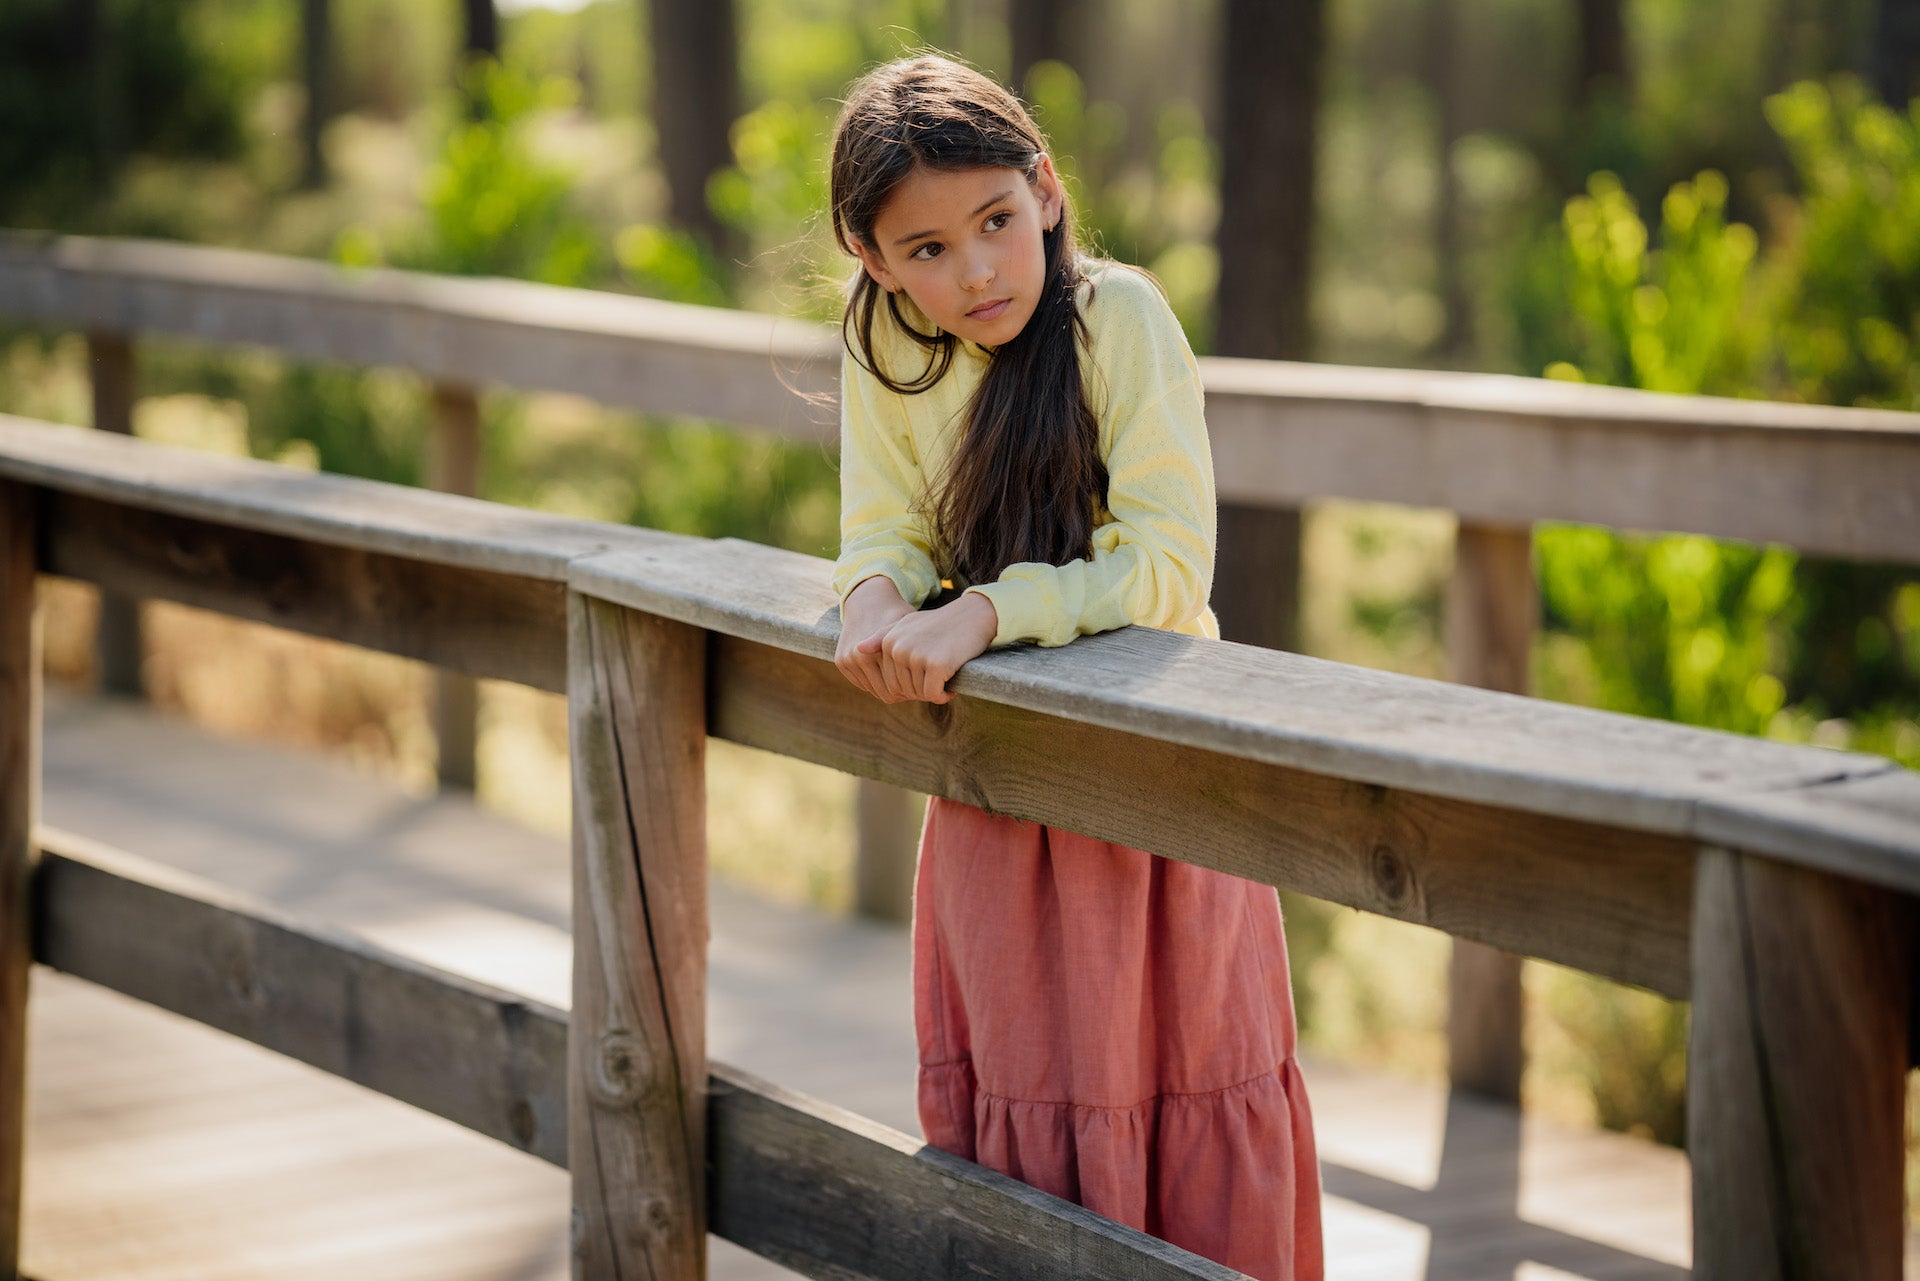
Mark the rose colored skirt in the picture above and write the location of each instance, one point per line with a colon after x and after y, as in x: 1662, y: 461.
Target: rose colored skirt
x: 1117, y: 1029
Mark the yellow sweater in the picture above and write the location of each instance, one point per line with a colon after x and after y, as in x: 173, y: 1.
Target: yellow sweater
x: 1153, y: 546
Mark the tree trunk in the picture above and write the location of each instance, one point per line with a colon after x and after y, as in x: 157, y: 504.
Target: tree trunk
x: 1038, y: 30
x: 316, y: 57
x: 1455, y: 340
x: 1270, y: 64
x: 1896, y: 50
x: 483, y: 29
x: 695, y: 99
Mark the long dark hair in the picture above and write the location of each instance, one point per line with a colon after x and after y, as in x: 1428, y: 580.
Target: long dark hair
x: 1026, y: 479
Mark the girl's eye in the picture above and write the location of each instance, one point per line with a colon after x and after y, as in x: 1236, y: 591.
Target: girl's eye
x: 1000, y: 220
x: 922, y: 254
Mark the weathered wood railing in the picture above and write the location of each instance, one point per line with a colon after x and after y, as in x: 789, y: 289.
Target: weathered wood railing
x: 1772, y: 885
x: 1500, y: 452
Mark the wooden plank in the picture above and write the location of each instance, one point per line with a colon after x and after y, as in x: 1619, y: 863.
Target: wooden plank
x: 453, y: 467
x: 1494, y: 448
x: 1256, y: 575
x: 478, y: 621
x: 1862, y: 825
x: 636, y: 1049
x: 1491, y: 606
x: 834, y: 1195
x: 368, y: 515
x: 1510, y: 451
x: 479, y: 1056
x: 1307, y: 714
x: 1796, y: 1072
x: 1609, y: 901
x: 887, y: 824
x: 19, y: 800
x: 620, y: 350
x: 110, y: 370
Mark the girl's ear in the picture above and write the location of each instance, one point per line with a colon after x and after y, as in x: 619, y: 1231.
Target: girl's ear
x: 1048, y: 188
x: 870, y: 259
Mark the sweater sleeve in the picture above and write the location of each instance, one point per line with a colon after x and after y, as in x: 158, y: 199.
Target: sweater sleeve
x: 1152, y: 562
x: 880, y: 479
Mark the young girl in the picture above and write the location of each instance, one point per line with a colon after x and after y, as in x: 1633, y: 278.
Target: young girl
x: 1107, y: 1025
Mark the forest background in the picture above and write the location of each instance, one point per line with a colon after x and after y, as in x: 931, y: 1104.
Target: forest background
x: 1718, y: 199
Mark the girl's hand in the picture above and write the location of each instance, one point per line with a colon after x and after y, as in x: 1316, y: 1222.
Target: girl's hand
x: 869, y: 610
x: 919, y: 653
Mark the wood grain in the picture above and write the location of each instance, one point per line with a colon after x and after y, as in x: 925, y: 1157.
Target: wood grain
x: 19, y: 800
x: 113, y: 380
x: 477, y: 621
x: 1796, y: 1070
x: 453, y: 467
x: 1491, y: 607
x: 368, y: 515
x: 1348, y: 723
x: 808, y: 1184
x: 1609, y: 901
x: 637, y: 1068
x: 831, y: 1194
x: 484, y: 1058
x: 1493, y: 448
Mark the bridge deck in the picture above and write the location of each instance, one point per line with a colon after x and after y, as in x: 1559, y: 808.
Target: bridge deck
x: 158, y: 1149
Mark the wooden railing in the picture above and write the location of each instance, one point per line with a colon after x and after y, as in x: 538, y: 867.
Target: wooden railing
x: 1500, y: 452
x: 1773, y: 885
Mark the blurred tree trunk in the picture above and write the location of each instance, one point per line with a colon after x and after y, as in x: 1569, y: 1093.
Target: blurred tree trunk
x: 1896, y: 50
x: 695, y: 99
x: 481, y: 41
x: 1270, y: 56
x: 483, y: 29
x: 1456, y: 330
x: 1038, y: 30
x: 316, y: 57
x: 1598, y: 93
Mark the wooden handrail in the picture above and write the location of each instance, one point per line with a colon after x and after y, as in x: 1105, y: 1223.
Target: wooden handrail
x: 1774, y: 885
x: 1495, y: 449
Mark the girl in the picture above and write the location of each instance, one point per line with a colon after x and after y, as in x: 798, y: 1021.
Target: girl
x: 1112, y: 1027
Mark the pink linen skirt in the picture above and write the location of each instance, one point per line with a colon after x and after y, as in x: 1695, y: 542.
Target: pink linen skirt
x: 1117, y: 1029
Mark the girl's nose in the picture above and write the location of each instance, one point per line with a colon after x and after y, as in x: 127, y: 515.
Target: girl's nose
x: 978, y: 273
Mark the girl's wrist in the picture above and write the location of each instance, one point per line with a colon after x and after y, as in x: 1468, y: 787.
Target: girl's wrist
x: 981, y: 616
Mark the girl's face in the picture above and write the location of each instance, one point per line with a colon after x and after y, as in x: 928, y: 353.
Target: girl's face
x: 965, y: 246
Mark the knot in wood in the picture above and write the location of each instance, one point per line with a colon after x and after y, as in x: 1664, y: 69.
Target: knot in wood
x: 939, y: 716
x: 1392, y: 878
x: 619, y: 1076
x: 520, y: 1121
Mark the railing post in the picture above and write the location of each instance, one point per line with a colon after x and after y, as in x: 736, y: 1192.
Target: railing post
x: 886, y: 823
x: 1489, y: 636
x: 636, y: 1039
x: 453, y: 467
x: 1796, y: 1073
x: 1256, y: 577
x: 19, y: 797
x: 117, y: 644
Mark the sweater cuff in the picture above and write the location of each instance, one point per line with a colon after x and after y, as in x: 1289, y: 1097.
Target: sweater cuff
x: 914, y: 588
x: 1022, y: 608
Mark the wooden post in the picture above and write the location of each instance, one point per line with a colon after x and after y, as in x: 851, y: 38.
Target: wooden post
x: 453, y: 467
x: 1256, y: 576
x: 19, y: 797
x: 636, y: 1040
x: 887, y: 833
x: 1490, y: 621
x: 1796, y: 1072
x: 117, y: 647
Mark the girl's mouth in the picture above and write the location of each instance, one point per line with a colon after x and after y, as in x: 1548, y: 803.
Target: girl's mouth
x: 990, y: 311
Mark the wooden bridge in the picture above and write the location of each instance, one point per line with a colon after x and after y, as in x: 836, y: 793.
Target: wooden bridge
x: 1770, y: 884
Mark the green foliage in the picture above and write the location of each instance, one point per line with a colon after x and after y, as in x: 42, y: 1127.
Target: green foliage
x: 156, y: 82
x: 1849, y: 331
x: 491, y: 206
